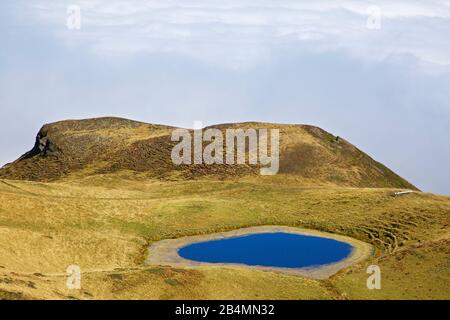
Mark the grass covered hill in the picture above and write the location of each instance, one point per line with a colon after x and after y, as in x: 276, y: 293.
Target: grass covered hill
x: 96, y: 193
x: 81, y: 148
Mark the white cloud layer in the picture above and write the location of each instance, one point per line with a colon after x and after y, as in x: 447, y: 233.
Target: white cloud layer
x: 241, y: 33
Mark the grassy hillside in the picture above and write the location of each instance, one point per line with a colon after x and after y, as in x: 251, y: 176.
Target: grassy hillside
x: 80, y: 148
x: 104, y: 224
x: 96, y: 193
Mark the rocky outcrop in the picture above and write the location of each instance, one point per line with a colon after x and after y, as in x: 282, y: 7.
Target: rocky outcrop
x: 42, y: 147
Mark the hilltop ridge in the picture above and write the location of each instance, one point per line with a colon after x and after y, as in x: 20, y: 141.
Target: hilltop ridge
x: 111, y: 145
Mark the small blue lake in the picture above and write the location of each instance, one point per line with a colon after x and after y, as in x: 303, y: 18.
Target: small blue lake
x: 278, y: 249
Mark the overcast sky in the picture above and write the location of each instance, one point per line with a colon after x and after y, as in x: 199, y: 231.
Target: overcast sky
x: 374, y: 72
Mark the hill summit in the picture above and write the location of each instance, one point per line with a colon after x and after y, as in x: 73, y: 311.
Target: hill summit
x: 103, y: 146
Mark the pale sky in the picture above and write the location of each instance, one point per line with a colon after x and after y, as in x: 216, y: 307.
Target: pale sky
x: 326, y: 63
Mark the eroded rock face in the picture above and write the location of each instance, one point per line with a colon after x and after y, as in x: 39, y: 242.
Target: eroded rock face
x: 44, y: 162
x: 42, y: 147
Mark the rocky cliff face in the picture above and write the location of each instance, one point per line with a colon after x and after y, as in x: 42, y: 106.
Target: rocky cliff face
x: 113, y: 145
x: 42, y: 147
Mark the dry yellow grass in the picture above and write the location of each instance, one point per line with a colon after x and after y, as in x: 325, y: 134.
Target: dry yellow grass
x: 104, y: 224
x: 114, y: 190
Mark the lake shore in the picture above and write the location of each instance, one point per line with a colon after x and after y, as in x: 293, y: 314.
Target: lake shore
x: 165, y: 252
